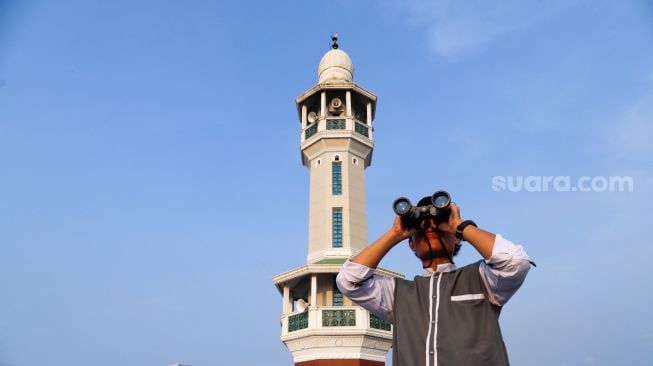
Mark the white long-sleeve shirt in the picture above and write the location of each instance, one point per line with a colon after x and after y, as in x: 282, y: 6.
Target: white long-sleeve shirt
x: 503, y: 273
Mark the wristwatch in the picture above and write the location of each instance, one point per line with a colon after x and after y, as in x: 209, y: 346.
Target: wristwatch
x: 462, y: 226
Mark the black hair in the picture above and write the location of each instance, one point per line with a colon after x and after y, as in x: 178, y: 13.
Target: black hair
x: 425, y: 201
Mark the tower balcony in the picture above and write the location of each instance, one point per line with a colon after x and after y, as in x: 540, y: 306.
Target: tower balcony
x: 336, y: 333
x: 339, y: 133
x: 333, y: 320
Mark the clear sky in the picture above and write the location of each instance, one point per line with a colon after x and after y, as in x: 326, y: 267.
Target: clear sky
x: 151, y: 184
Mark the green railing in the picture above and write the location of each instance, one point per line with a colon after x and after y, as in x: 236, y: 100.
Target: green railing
x: 362, y: 129
x: 338, y: 318
x: 298, y: 321
x: 310, y: 131
x: 378, y: 323
x: 335, y: 124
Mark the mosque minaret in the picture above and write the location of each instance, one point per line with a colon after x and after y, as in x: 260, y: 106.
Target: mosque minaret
x: 319, y: 325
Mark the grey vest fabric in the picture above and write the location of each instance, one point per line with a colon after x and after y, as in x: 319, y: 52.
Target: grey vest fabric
x: 465, y: 329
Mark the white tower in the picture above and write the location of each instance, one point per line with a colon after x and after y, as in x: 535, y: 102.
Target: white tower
x: 319, y: 325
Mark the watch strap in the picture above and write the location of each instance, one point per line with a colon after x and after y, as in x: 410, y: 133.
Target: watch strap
x: 462, y: 226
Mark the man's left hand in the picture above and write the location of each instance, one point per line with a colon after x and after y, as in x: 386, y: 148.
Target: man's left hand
x: 454, y: 220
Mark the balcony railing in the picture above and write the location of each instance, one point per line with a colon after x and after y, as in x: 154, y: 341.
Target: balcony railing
x: 298, y: 321
x: 310, y: 131
x: 378, y: 323
x: 362, y: 129
x: 335, y: 124
x: 331, y: 319
x: 338, y: 318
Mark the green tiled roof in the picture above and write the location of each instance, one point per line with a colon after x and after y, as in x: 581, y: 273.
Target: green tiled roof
x: 331, y: 261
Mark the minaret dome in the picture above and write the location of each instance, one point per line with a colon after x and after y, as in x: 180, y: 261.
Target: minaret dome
x: 335, y: 67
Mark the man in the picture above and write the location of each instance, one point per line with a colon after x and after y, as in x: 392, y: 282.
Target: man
x: 448, y: 316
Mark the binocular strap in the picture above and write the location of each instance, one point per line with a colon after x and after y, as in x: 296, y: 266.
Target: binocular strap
x: 431, y: 251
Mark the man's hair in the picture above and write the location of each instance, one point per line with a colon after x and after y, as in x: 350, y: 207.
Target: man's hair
x: 425, y: 201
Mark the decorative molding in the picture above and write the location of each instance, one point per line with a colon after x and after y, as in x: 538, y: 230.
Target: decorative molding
x: 333, y: 331
x: 339, y: 347
x: 322, y: 268
x: 338, y: 86
x: 336, y: 134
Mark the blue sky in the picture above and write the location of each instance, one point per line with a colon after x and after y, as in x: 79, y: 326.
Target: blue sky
x: 151, y: 185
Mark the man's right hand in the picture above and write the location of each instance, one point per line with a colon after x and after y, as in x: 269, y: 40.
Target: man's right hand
x: 371, y: 255
x: 399, y: 231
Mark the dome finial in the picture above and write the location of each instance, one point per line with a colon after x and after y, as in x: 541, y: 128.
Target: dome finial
x: 335, y: 66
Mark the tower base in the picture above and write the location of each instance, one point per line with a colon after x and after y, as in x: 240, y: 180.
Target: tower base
x: 340, y: 362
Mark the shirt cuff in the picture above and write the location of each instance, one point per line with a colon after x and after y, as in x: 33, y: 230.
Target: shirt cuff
x: 501, y: 245
x: 504, y: 250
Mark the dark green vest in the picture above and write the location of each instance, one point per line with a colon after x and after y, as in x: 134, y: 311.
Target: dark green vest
x: 446, y: 320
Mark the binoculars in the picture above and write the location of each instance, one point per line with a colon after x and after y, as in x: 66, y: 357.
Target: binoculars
x: 412, y: 216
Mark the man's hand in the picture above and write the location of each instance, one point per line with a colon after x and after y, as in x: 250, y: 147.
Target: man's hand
x: 480, y: 239
x: 454, y: 220
x: 399, y: 231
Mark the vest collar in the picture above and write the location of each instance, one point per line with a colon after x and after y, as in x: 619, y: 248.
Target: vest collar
x: 445, y: 267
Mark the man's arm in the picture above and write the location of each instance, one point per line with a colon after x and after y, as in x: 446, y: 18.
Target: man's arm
x: 361, y: 285
x: 357, y: 281
x: 505, y: 271
x: 506, y: 264
x: 371, y: 256
x: 481, y: 240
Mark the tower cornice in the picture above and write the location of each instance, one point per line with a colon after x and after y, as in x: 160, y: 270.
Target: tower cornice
x: 317, y: 268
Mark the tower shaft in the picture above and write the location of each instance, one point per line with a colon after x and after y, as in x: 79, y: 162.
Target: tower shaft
x: 320, y: 326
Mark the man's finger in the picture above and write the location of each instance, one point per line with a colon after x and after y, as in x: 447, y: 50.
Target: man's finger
x: 455, y: 210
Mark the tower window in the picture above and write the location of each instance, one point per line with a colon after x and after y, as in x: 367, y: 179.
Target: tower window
x: 336, y: 224
x: 336, y: 178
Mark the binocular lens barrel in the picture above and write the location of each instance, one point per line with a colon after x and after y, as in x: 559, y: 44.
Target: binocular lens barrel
x: 441, y: 199
x: 401, y: 206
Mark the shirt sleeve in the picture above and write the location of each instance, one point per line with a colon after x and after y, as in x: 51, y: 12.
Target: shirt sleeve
x: 504, y: 272
x: 374, y: 293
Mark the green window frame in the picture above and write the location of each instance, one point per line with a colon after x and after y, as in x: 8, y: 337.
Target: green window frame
x: 336, y: 226
x: 336, y: 178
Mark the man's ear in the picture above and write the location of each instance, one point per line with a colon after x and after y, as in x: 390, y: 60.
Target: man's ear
x: 410, y: 244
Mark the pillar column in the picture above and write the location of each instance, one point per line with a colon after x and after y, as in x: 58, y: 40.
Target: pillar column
x: 323, y: 104
x: 314, y: 290
x: 369, y: 114
x: 287, y: 305
x: 348, y: 103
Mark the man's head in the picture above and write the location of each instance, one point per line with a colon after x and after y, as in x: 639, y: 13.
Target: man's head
x: 431, y: 245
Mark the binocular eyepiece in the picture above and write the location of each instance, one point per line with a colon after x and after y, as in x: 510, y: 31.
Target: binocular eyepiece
x: 412, y: 216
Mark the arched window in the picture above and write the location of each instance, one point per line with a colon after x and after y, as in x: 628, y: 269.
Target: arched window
x: 336, y: 178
